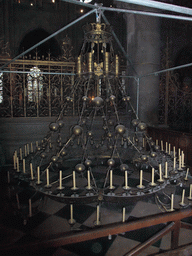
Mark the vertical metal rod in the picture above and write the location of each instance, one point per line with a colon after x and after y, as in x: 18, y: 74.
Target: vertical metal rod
x: 47, y: 38
x: 138, y: 89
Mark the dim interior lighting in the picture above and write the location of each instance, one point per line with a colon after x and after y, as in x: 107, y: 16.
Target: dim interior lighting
x: 53, y: 1
x: 31, y: 4
x: 81, y: 11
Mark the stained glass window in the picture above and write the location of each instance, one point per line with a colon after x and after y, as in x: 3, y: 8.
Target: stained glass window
x: 34, y: 85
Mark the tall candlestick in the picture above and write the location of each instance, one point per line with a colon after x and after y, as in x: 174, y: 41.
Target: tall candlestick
x: 21, y: 155
x: 47, y: 177
x: 31, y: 147
x: 174, y: 163
x: 166, y: 149
x: 186, y: 177
x: 14, y: 161
x: 166, y: 174
x: 153, y: 178
x: 38, y: 176
x: 143, y: 142
x: 60, y: 180
x: 71, y: 221
x: 123, y: 219
x: 74, y: 182
x: 97, y: 221
x: 23, y: 165
x: 156, y: 142
x: 111, y: 180
x: 190, y: 192
x: 179, y: 162
x: 161, y: 145
x: 141, y: 180
x: 88, y: 180
x: 30, y: 208
x: 182, y: 203
x: 174, y: 151
x: 182, y: 159
x: 27, y: 149
x: 31, y: 168
x: 169, y: 149
x: 18, y: 164
x: 172, y: 201
x: 160, y: 174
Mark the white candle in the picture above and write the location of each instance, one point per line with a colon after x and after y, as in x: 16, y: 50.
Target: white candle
x: 21, y: 156
x: 179, y: 152
x: 161, y: 145
x: 14, y: 162
x: 74, y: 181
x: 31, y: 168
x: 97, y: 222
x: 141, y: 178
x: 172, y: 201
x: 157, y: 142
x: 166, y: 169
x: 174, y: 151
x: 30, y: 208
x: 183, y: 197
x: 126, y: 183
x: 60, y: 179
x: 182, y: 156
x: 169, y: 149
x: 166, y: 150
x: 186, y: 177
x: 88, y: 180
x: 23, y: 165
x: 190, y: 192
x: 160, y: 173
x: 27, y: 149
x: 17, y: 164
x: 111, y: 178
x: 143, y: 142
x: 31, y: 147
x: 71, y: 213
x: 38, y: 175
x: 123, y: 220
x: 174, y: 163
x: 152, y: 178
x: 47, y: 177
x: 179, y: 162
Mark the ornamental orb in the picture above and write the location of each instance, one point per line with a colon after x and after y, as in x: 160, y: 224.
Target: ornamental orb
x: 88, y: 162
x: 60, y: 123
x: 124, y: 98
x: 144, y: 158
x: 135, y: 122
x: 123, y: 167
x: 112, y: 97
x: 98, y: 101
x: 153, y: 154
x: 54, y: 158
x: 156, y: 147
x: 63, y: 152
x: 77, y: 130
x: 120, y: 129
x: 79, y: 167
x: 43, y: 155
x: 111, y: 162
x: 39, y: 148
x: 85, y: 98
x: 90, y: 133
x: 54, y: 127
x: 109, y: 134
x: 110, y: 122
x: 128, y: 98
x: 142, y: 126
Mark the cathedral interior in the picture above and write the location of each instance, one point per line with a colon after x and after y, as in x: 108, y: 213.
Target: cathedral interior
x: 95, y: 127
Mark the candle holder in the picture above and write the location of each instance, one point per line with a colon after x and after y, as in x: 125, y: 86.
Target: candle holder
x: 72, y: 221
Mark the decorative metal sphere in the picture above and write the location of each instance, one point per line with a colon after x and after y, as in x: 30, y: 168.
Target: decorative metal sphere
x: 77, y: 130
x: 135, y: 122
x: 144, y: 158
x: 112, y: 97
x: 128, y: 98
x: 156, y: 147
x: 80, y: 167
x: 39, y: 148
x: 54, y: 127
x: 43, y: 155
x: 109, y: 134
x: 153, y: 154
x: 63, y: 152
x: 111, y: 162
x: 123, y: 167
x: 85, y: 98
x: 142, y: 126
x: 54, y: 158
x: 90, y: 133
x: 120, y: 129
x: 124, y: 98
x: 98, y: 101
x: 88, y: 162
x: 83, y: 121
x: 110, y: 122
x: 60, y: 123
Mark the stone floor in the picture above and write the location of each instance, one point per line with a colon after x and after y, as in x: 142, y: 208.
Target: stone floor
x: 51, y: 218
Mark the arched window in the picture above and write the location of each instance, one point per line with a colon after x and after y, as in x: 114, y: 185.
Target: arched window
x: 34, y: 85
x: 1, y: 87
